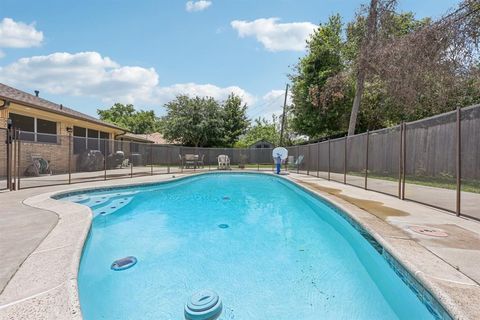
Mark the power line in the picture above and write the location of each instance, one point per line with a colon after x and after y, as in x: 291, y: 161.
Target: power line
x: 266, y: 104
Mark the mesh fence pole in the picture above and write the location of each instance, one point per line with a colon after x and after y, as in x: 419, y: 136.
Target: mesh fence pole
x: 105, y: 160
x: 404, y: 158
x: 19, y: 152
x: 459, y: 162
x: 151, y: 159
x: 16, y: 167
x: 308, y: 159
x: 400, y: 162
x: 345, y: 161
x: 14, y: 159
x: 9, y: 160
x: 169, y: 158
x: 318, y: 159
x: 69, y: 158
x: 181, y: 160
x: 328, y: 160
x: 366, y: 159
x: 209, y: 160
x: 298, y: 162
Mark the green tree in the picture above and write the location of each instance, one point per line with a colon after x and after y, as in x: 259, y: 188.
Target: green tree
x: 260, y: 130
x: 235, y: 121
x: 127, y: 117
x: 194, y: 122
x: 324, y: 59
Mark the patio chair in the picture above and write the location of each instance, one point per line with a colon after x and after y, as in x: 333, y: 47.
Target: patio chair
x: 191, y: 160
x: 298, y: 162
x: 223, y: 162
x: 181, y: 161
x: 200, y: 162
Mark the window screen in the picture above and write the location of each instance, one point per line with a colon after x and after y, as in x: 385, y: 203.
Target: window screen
x: 46, y: 131
x: 92, y: 140
x: 79, y: 140
x: 24, y: 124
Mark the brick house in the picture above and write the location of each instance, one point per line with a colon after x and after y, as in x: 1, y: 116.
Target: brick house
x: 44, y: 128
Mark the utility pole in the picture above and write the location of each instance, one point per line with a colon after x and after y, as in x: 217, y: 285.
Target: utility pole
x: 284, y: 115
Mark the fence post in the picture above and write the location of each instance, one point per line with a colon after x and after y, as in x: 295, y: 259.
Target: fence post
x: 9, y: 160
x: 400, y: 163
x: 459, y: 161
x: 13, y: 158
x: 19, y: 152
x: 169, y: 158
x: 404, y: 158
x: 345, y: 162
x: 69, y: 157
x: 181, y: 161
x: 328, y: 160
x: 308, y: 160
x: 318, y: 159
x: 105, y: 160
x: 298, y: 163
x: 209, y: 160
x: 366, y: 159
x: 151, y: 159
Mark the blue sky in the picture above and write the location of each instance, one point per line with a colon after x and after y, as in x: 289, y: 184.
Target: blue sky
x: 88, y: 54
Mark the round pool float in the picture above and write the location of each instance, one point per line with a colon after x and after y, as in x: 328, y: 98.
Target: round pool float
x: 203, y: 305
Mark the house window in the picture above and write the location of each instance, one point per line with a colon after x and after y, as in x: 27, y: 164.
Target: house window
x: 104, y: 143
x: 93, y: 142
x: 34, y: 129
x: 46, y: 131
x: 79, y: 140
x: 89, y: 139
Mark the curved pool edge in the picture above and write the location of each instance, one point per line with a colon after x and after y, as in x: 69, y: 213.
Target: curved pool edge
x: 74, y: 223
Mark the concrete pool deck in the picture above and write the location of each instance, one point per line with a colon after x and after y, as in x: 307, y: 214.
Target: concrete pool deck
x: 41, y: 241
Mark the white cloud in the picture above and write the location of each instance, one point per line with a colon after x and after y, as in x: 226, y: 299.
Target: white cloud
x: 201, y: 5
x: 89, y: 74
x: 18, y: 34
x: 275, y: 36
x: 165, y: 94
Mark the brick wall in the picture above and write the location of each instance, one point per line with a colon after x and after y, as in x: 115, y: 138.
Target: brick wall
x: 3, y: 153
x: 55, y: 153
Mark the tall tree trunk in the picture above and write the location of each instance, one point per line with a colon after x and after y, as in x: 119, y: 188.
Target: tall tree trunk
x: 356, y: 101
x: 367, y: 43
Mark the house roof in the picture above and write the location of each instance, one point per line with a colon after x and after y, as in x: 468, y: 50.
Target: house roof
x: 155, y: 137
x: 24, y: 98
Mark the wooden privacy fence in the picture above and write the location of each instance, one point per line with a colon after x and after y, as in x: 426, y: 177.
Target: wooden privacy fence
x: 435, y: 161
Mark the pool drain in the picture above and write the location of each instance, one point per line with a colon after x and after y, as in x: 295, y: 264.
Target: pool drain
x: 226, y: 198
x: 123, y: 263
x: 203, y: 305
x: 223, y: 226
x: 429, y: 231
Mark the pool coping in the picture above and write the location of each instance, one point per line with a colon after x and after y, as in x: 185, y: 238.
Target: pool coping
x: 56, y: 260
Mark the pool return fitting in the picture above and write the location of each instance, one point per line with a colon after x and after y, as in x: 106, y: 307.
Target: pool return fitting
x: 123, y: 263
x: 203, y: 305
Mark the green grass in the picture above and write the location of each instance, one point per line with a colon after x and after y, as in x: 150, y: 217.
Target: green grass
x: 436, y: 182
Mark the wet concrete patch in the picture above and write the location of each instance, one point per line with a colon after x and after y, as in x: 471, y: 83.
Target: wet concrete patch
x: 376, y: 208
x: 458, y: 238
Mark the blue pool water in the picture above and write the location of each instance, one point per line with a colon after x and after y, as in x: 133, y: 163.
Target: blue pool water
x: 268, y: 248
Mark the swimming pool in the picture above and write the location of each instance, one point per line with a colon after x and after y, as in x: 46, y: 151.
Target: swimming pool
x: 270, y: 250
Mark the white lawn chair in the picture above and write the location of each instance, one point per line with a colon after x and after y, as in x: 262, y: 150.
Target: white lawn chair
x: 223, y: 162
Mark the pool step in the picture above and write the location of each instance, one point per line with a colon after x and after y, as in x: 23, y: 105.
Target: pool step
x: 112, y: 205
